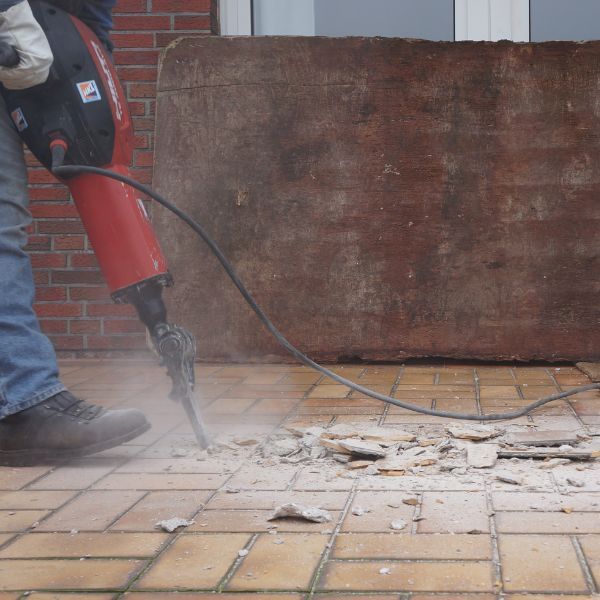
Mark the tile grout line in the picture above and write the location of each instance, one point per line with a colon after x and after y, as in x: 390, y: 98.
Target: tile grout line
x: 565, y: 400
x: 584, y: 565
x: 498, y: 585
x: 165, y: 546
x: 386, y: 405
x: 329, y: 546
x: 237, y: 563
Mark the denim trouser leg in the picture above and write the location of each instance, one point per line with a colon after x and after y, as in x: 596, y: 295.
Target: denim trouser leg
x: 28, y: 369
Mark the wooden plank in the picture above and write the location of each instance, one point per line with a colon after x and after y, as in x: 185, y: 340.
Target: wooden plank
x: 384, y: 198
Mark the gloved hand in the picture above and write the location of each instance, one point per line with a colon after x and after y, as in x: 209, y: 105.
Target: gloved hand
x: 19, y: 28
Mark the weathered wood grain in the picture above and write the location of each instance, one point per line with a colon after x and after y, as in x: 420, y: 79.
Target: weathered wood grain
x: 385, y: 198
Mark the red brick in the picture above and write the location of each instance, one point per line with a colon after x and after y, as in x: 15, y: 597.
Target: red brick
x: 127, y: 6
x: 110, y: 310
x: 144, y: 159
x: 136, y: 57
x: 133, y: 40
x: 60, y: 226
x: 58, y: 309
x: 40, y: 176
x: 48, y: 193
x: 144, y: 23
x: 138, y: 74
x: 123, y: 342
x: 143, y: 123
x: 77, y: 277
x: 84, y: 326
x: 38, y: 242
x: 142, y: 90
x: 50, y: 294
x: 89, y: 293
x: 48, y: 260
x: 41, y: 277
x: 123, y: 326
x: 67, y: 342
x: 68, y: 242
x: 195, y: 22
x: 83, y: 260
x: 54, y: 211
x: 142, y: 175
x: 54, y: 325
x: 185, y: 6
x: 141, y: 141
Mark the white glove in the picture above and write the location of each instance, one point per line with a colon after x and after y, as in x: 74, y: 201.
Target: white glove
x: 19, y: 28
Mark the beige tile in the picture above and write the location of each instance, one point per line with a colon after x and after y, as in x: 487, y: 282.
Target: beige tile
x: 160, y: 481
x: 27, y: 499
x: 92, y: 511
x: 413, y: 547
x: 267, y: 500
x: 380, y: 514
x: 158, y: 506
x: 547, y: 522
x: 15, y: 479
x: 235, y: 521
x: 427, y: 577
x: 77, y: 476
x: 67, y: 574
x: 194, y: 561
x: 536, y: 563
x: 273, y: 564
x: 453, y: 512
x: 17, y: 520
x: 101, y: 545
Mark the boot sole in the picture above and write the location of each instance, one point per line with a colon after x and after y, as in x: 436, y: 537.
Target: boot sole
x: 32, y: 457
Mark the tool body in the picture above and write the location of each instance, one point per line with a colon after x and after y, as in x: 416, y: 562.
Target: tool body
x: 80, y: 116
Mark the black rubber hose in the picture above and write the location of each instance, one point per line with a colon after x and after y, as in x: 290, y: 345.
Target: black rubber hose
x: 72, y: 170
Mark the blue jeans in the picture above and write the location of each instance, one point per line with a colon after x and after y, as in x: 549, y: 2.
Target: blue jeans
x: 28, y: 369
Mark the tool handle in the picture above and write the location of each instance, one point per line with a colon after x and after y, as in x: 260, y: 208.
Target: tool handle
x: 9, y: 57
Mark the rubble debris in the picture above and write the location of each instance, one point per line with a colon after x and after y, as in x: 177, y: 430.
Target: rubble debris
x: 410, y: 501
x: 385, y: 571
x: 359, y: 511
x: 299, y: 511
x: 542, y: 438
x: 473, y: 432
x: 282, y: 447
x: 413, y: 457
x: 579, y: 483
x: 362, y: 447
x: 371, y: 470
x: 398, y: 524
x: 482, y: 456
x: 359, y: 464
x: 170, y: 525
x: 551, y: 463
x: 543, y: 453
x: 179, y: 452
x: 244, y: 441
x: 243, y: 552
x: 509, y: 478
x: 341, y: 458
x: 567, y: 509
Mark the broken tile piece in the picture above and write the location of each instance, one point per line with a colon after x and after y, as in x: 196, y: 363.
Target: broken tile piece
x: 357, y: 446
x: 542, y: 438
x: 473, y: 432
x: 482, y: 456
x: 170, y: 525
x: 299, y: 511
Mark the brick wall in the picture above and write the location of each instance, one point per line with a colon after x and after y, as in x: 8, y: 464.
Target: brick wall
x: 72, y: 303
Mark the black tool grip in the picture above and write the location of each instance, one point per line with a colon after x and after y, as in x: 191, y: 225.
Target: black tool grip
x: 9, y: 57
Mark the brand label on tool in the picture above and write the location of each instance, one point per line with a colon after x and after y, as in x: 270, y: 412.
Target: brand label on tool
x: 19, y: 119
x: 112, y: 88
x: 89, y: 92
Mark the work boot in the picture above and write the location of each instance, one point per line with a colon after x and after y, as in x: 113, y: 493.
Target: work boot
x: 65, y: 427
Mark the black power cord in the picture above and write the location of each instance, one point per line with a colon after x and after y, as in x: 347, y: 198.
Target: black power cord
x: 73, y: 170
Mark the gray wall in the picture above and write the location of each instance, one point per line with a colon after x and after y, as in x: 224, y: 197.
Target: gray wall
x: 565, y: 20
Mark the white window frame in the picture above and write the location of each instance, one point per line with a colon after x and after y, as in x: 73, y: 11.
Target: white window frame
x: 489, y: 20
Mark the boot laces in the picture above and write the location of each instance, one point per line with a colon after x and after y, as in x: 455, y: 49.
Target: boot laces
x: 68, y: 404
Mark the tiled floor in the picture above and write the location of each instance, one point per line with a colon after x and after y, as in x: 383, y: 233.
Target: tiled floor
x: 87, y: 528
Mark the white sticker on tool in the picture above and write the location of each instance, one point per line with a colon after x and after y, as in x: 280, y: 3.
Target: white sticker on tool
x: 89, y: 92
x: 19, y: 119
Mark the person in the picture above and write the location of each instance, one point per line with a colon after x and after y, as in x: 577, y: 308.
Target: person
x: 40, y: 420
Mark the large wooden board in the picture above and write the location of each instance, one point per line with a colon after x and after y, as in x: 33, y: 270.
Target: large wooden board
x: 385, y: 198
